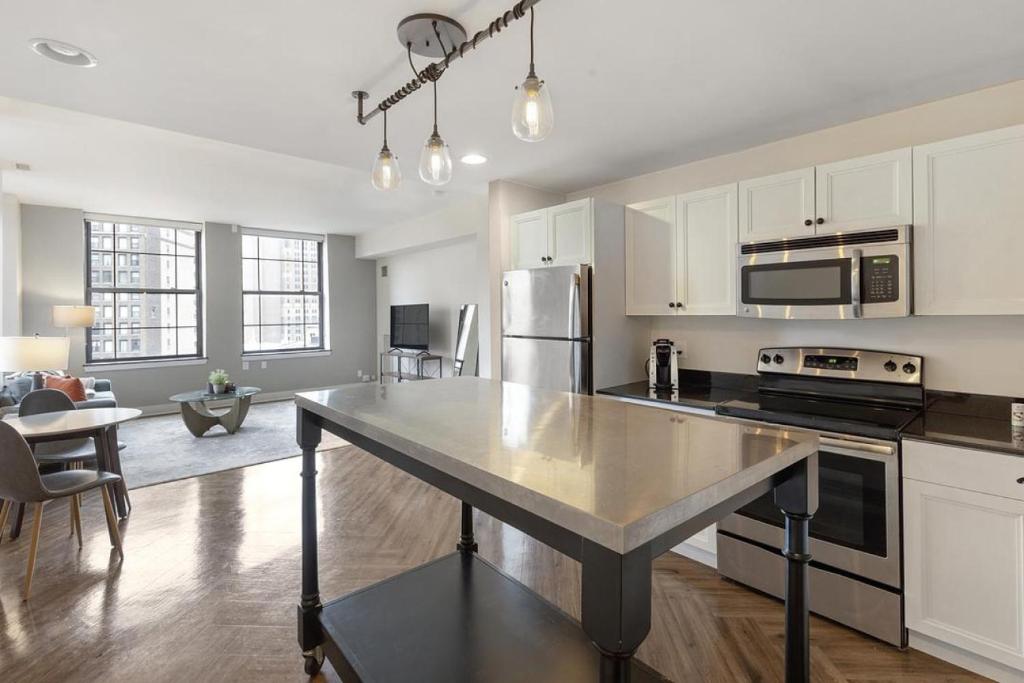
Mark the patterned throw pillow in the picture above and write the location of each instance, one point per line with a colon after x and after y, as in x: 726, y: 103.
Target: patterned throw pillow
x: 72, y: 386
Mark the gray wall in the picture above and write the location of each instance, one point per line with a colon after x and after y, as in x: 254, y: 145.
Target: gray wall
x: 53, y: 262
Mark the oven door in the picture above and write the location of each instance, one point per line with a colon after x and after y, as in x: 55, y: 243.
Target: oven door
x: 857, y: 526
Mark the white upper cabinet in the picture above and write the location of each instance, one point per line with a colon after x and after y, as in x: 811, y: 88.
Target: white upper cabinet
x: 571, y: 233
x: 529, y: 239
x: 651, y: 257
x: 681, y: 254
x: 969, y: 225
x: 864, y: 193
x: 556, y: 236
x: 780, y: 205
x: 706, y: 248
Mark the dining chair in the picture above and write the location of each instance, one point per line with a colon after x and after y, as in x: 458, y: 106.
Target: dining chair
x: 22, y: 483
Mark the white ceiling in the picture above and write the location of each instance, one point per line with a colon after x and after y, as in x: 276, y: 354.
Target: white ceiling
x: 637, y: 86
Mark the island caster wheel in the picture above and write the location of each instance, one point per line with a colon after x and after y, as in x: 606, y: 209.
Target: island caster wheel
x: 314, y: 660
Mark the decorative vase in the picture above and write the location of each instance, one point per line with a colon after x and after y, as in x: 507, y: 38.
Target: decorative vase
x: 219, y: 388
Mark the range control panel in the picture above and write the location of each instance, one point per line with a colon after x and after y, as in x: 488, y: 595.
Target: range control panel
x: 856, y: 364
x: 880, y: 279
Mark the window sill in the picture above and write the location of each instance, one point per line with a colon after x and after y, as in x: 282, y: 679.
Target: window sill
x: 283, y: 355
x: 144, y: 364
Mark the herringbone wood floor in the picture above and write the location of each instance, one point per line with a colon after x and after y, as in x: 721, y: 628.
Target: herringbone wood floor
x: 208, y: 589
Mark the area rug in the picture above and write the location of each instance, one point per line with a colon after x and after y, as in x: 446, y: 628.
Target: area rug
x: 160, y: 448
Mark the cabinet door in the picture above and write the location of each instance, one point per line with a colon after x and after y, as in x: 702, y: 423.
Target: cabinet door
x: 869, y: 192
x: 777, y: 205
x: 706, y: 251
x: 529, y: 239
x: 651, y: 257
x: 968, y: 218
x: 965, y: 569
x: 570, y: 233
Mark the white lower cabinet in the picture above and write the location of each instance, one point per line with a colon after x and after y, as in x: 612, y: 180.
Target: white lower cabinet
x: 964, y: 553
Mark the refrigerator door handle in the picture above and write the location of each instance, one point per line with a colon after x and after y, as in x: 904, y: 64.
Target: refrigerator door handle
x: 574, y: 309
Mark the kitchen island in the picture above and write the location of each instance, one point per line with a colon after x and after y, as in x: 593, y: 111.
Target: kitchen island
x: 609, y: 484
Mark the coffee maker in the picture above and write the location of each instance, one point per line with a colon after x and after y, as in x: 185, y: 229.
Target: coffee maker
x: 663, y: 368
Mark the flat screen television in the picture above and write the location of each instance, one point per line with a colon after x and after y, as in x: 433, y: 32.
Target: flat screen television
x: 410, y: 327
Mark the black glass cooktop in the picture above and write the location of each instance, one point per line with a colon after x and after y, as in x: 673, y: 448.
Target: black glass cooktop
x: 842, y: 417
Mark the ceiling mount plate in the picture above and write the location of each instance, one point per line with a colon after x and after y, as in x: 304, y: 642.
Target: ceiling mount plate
x: 419, y: 31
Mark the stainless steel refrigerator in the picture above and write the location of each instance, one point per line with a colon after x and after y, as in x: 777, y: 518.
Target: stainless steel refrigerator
x: 545, y: 328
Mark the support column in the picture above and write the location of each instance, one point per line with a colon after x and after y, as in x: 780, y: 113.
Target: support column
x: 616, y: 605
x: 310, y: 635
x: 797, y: 497
x: 467, y: 542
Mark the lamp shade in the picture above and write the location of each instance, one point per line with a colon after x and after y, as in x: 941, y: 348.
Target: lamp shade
x: 27, y: 354
x: 74, y: 316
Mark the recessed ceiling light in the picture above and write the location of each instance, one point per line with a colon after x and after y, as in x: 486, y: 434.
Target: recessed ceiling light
x: 473, y: 159
x: 65, y: 53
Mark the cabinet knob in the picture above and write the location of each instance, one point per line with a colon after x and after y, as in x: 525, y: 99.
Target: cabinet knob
x: 671, y: 304
x: 820, y: 221
x: 808, y: 222
x: 1021, y: 480
x: 679, y: 304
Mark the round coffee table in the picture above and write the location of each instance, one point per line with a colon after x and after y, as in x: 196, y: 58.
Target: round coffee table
x: 198, y: 417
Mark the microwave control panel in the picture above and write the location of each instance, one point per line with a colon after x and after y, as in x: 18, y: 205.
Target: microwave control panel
x: 879, y: 279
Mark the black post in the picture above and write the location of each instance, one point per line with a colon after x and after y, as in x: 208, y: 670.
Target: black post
x: 467, y: 543
x: 616, y: 605
x: 797, y: 497
x: 308, y: 436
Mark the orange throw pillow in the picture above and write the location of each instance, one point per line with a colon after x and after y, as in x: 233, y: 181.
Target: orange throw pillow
x: 72, y: 386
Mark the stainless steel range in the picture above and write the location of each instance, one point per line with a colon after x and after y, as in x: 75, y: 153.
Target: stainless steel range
x: 857, y: 401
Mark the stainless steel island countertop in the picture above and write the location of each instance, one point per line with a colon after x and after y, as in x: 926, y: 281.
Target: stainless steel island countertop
x: 615, y: 473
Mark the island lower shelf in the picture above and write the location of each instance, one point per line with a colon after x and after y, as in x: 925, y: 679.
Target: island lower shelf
x: 458, y: 619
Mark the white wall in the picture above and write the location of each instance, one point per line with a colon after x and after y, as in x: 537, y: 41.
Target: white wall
x: 10, y: 265
x: 444, y: 276
x: 450, y: 224
x: 976, y: 354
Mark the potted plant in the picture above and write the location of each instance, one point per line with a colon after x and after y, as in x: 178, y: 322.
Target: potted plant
x: 218, y: 381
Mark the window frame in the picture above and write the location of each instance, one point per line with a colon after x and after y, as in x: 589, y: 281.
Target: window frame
x: 115, y: 290
x: 303, y: 293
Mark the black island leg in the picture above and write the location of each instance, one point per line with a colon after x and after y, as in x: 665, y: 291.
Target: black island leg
x: 310, y: 635
x: 467, y: 542
x: 797, y: 497
x: 616, y: 605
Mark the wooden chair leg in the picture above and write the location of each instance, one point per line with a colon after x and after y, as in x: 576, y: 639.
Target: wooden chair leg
x: 37, y: 524
x: 76, y: 515
x: 4, y: 511
x: 115, y: 535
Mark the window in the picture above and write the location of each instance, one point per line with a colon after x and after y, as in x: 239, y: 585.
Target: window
x: 282, y: 294
x: 153, y: 310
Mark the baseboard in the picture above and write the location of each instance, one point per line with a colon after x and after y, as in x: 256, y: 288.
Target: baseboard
x: 696, y: 554
x: 264, y: 397
x: 964, y: 659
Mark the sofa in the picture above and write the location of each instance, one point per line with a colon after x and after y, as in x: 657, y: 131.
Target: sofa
x: 100, y: 396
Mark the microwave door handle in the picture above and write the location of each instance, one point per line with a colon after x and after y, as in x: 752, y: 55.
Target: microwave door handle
x: 855, y: 305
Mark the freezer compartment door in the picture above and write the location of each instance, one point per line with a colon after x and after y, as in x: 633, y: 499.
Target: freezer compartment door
x: 556, y: 364
x: 546, y: 302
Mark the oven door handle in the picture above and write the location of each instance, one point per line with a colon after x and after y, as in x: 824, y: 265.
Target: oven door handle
x: 855, y: 305
x: 857, y: 449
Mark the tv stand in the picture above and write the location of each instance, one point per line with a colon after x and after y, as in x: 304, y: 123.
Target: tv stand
x: 403, y: 373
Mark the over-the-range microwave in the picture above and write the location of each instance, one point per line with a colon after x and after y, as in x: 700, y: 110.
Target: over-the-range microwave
x: 838, y: 276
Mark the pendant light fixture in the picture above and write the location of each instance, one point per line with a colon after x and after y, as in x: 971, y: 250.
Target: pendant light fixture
x: 532, y: 116
x: 435, y: 159
x: 386, y: 173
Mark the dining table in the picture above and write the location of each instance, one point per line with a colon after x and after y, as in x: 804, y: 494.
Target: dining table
x: 100, y: 424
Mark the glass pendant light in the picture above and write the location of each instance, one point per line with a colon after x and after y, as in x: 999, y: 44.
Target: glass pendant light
x: 435, y: 159
x: 532, y: 116
x: 386, y: 173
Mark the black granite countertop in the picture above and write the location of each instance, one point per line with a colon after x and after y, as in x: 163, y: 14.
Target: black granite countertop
x: 969, y: 421
x: 697, y: 389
